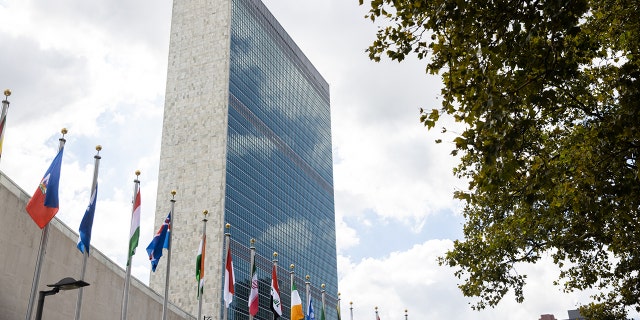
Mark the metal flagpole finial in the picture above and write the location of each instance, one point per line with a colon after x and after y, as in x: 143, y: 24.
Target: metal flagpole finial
x: 63, y: 131
x: 275, y: 256
x: 7, y: 93
x: 205, y: 213
x: 98, y: 149
x: 137, y: 173
x: 292, y: 266
x: 322, y: 286
x: 173, y: 195
x: 307, y: 277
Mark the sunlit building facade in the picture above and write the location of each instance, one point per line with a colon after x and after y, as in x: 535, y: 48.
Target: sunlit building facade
x: 246, y: 136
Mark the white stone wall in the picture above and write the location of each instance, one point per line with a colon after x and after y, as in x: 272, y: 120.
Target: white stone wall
x: 101, y: 300
x: 193, y: 153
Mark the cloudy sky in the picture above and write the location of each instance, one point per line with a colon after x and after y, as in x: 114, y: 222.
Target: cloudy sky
x: 98, y: 68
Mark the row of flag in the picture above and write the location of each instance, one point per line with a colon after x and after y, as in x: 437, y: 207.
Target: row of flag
x: 275, y: 304
x: 44, y: 205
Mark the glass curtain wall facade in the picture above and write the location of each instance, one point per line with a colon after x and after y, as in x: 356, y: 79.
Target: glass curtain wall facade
x: 279, y: 173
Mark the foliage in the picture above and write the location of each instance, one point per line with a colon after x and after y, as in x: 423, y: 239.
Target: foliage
x: 549, y: 94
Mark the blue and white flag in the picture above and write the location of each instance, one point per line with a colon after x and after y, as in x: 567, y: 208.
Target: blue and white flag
x: 84, y: 240
x: 310, y: 315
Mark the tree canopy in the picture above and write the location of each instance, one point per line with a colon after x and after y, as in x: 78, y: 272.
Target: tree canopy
x: 548, y: 92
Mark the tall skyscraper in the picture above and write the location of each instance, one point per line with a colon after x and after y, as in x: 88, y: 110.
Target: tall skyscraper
x: 246, y: 136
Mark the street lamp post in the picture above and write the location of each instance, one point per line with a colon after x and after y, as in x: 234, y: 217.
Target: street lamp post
x: 64, y: 284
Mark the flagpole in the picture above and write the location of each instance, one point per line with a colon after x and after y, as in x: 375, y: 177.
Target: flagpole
x: 227, y: 239
x: 127, y: 278
x: 307, y: 285
x: 252, y: 261
x: 166, y: 279
x: 204, y: 237
x: 3, y: 116
x: 292, y: 275
x: 351, y: 308
x: 85, y: 254
x: 43, y: 247
x: 338, y: 306
x: 406, y: 316
x: 377, y: 318
x: 322, y: 314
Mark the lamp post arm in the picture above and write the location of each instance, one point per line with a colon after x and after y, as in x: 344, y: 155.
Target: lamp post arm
x: 41, y: 296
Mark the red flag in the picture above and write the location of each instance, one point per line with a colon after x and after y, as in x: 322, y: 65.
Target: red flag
x: 276, y: 307
x: 43, y: 206
x: 229, y: 280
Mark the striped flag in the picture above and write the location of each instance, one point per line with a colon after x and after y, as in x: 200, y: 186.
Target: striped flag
x: 276, y: 307
x: 296, y: 304
x: 200, y: 264
x: 134, y: 232
x: 253, y: 296
x: 229, y: 280
x: 3, y: 121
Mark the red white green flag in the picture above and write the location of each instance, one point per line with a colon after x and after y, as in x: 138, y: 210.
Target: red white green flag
x: 134, y: 232
x: 253, y: 295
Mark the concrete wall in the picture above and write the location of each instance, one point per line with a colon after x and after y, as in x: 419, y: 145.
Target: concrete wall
x: 102, y: 299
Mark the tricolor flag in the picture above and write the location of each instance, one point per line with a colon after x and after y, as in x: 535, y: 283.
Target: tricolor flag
x: 43, y: 206
x: 200, y: 264
x: 310, y: 314
x: 322, y: 313
x: 84, y: 240
x: 276, y: 307
x: 2, y: 123
x: 296, y: 304
x: 229, y: 280
x: 159, y: 241
x: 134, y: 232
x: 253, y: 295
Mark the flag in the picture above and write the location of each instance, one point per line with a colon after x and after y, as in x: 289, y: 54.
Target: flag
x: 229, y: 280
x: 310, y: 314
x: 84, y: 240
x: 377, y: 317
x: 2, y: 123
x: 275, y: 295
x: 134, y: 232
x: 200, y: 264
x: 296, y: 304
x: 338, y: 309
x: 253, y: 295
x: 322, y: 313
x: 159, y: 241
x: 43, y: 206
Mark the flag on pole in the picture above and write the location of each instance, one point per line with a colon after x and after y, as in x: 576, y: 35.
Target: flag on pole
x: 253, y: 295
x: 322, y: 313
x: 310, y: 314
x: 377, y: 317
x: 338, y: 309
x: 200, y: 264
x: 43, y: 206
x: 296, y: 304
x: 84, y: 240
x: 2, y: 123
x: 276, y: 307
x: 159, y: 241
x: 134, y: 232
x: 229, y: 280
